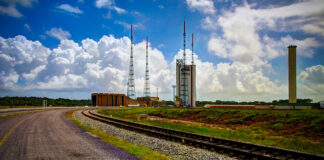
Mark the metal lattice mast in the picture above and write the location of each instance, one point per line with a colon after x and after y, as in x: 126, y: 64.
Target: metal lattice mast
x: 184, y: 86
x: 147, y: 78
x: 192, y: 53
x: 131, y: 83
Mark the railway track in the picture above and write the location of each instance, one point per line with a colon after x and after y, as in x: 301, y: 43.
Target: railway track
x: 241, y: 150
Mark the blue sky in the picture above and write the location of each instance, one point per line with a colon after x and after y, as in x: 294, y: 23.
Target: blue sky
x: 73, y: 48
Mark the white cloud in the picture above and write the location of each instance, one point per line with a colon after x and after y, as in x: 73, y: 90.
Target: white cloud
x: 58, y: 33
x: 274, y: 48
x: 128, y: 26
x: 208, y: 23
x: 102, y: 66
x: 241, y: 41
x: 315, y: 28
x: 11, y: 8
x: 69, y: 8
x: 204, y: 6
x: 109, y: 4
x: 27, y: 27
x: 311, y: 82
x: 160, y: 6
x: 19, y: 56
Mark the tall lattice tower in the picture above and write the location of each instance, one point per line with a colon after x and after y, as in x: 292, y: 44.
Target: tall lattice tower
x: 147, y: 77
x: 131, y: 83
x: 184, y: 93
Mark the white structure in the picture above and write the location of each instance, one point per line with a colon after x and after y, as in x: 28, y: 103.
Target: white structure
x: 186, y: 87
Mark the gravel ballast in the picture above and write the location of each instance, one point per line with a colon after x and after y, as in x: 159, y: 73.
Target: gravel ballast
x: 172, y: 149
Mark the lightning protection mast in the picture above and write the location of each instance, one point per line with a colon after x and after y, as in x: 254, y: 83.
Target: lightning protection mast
x: 183, y: 70
x: 192, y: 51
x: 147, y: 78
x: 131, y: 83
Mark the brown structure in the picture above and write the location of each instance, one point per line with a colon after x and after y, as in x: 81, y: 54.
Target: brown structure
x: 150, y: 101
x: 112, y: 99
x: 292, y: 73
x: 109, y: 99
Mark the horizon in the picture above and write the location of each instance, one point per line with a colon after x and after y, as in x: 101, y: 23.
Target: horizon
x: 72, y: 49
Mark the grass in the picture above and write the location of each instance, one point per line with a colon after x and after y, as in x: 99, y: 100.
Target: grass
x: 18, y: 114
x: 300, y: 130
x: 136, y: 150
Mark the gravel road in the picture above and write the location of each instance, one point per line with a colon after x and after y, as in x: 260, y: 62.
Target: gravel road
x: 51, y: 135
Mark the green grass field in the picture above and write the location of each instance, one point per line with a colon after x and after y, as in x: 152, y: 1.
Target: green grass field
x: 302, y: 130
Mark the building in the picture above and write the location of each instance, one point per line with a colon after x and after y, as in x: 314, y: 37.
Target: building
x: 113, y: 99
x: 150, y: 101
x: 292, y: 73
x: 109, y: 99
x: 186, y: 86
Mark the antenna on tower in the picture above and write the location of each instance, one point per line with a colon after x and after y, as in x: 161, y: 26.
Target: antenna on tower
x: 131, y: 83
x: 147, y: 78
x: 192, y: 54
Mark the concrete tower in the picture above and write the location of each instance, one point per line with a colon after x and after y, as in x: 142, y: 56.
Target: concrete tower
x: 131, y: 83
x: 147, y: 78
x: 292, y: 73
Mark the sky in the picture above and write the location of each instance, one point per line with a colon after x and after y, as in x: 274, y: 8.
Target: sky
x: 70, y: 49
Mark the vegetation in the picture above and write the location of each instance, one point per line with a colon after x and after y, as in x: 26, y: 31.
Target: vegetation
x: 38, y: 101
x: 136, y: 150
x: 300, y: 102
x: 301, y: 130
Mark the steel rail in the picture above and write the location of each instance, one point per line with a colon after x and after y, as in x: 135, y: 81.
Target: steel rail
x: 242, y: 150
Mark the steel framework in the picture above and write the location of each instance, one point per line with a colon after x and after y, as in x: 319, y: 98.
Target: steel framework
x: 131, y: 83
x: 147, y: 77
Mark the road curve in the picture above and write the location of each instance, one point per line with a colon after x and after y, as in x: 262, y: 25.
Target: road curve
x: 51, y: 135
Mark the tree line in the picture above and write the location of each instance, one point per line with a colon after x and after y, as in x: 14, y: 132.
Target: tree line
x: 38, y: 101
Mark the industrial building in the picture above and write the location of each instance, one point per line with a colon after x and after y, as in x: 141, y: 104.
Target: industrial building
x: 186, y: 77
x: 292, y: 73
x: 109, y: 99
x: 113, y: 99
x: 186, y: 86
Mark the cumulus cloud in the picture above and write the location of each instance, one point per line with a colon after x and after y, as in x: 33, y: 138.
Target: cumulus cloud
x: 241, y: 40
x: 69, y: 8
x: 20, y: 57
x: 58, y: 33
x: 204, y: 6
x: 109, y: 4
x: 102, y: 66
x: 11, y: 8
x: 311, y: 82
x: 249, y: 51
